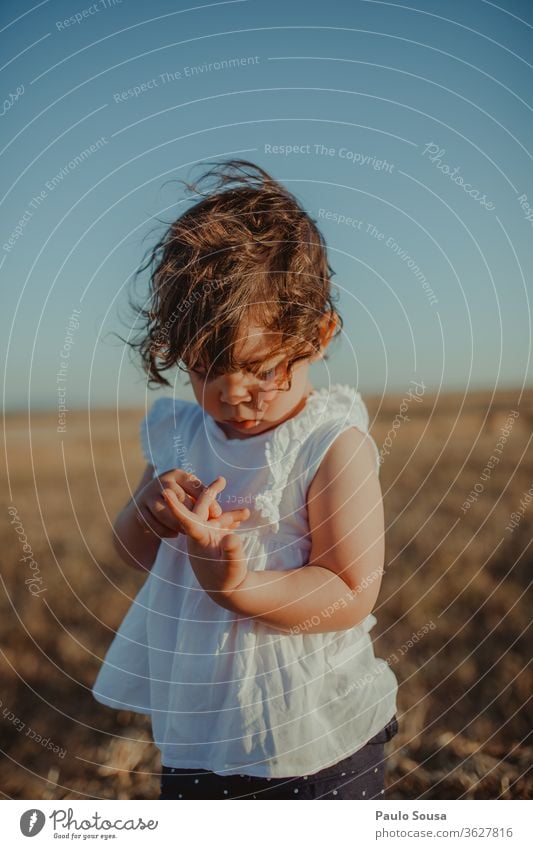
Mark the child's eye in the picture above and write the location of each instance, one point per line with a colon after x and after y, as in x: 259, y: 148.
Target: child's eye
x: 269, y: 374
x: 275, y: 375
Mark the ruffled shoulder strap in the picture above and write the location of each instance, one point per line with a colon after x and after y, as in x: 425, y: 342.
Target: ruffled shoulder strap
x: 345, y: 409
x: 158, y: 432
x: 307, y: 436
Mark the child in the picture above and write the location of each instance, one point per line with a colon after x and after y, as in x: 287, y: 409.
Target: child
x: 258, y: 517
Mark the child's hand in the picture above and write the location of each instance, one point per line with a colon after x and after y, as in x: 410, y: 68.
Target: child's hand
x: 155, y: 513
x: 216, y: 554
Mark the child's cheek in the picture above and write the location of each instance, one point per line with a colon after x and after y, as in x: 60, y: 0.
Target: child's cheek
x: 265, y: 398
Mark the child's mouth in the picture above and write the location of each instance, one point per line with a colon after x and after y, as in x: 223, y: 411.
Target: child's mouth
x: 245, y: 424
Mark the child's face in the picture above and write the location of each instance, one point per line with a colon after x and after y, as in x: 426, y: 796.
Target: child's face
x: 252, y: 398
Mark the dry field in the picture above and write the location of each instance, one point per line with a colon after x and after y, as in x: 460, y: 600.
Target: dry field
x: 455, y: 580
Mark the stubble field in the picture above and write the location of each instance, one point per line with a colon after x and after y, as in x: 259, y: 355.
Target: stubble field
x: 453, y: 613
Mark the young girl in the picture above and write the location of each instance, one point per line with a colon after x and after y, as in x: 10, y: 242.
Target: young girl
x: 258, y: 517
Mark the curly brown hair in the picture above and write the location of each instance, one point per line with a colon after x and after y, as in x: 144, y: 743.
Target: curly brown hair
x: 249, y: 253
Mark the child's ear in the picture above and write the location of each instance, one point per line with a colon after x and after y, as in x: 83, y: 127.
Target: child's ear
x: 328, y: 323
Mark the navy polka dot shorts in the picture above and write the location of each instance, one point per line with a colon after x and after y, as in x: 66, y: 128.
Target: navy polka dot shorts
x: 359, y: 776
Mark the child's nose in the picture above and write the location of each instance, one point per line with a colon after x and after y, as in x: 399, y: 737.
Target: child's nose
x: 234, y: 390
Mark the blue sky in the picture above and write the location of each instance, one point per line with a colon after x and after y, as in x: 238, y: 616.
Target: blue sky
x: 404, y: 130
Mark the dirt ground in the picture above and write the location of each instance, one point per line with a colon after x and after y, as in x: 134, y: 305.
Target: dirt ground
x: 453, y: 621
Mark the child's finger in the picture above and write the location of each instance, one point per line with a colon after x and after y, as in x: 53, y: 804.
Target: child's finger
x: 189, y: 485
x: 191, y: 522
x: 151, y: 524
x: 215, y: 510
x: 228, y: 519
x: 201, y: 508
x: 192, y: 484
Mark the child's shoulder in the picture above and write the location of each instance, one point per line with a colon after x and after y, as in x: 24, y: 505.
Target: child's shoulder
x: 166, y: 412
x: 165, y: 422
x: 335, y: 409
x: 342, y: 402
x: 328, y: 410
x: 165, y: 407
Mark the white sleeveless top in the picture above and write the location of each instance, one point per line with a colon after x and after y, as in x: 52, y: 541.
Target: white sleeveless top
x: 231, y: 694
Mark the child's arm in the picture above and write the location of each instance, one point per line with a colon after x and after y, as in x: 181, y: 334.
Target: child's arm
x: 339, y: 585
x: 130, y: 535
